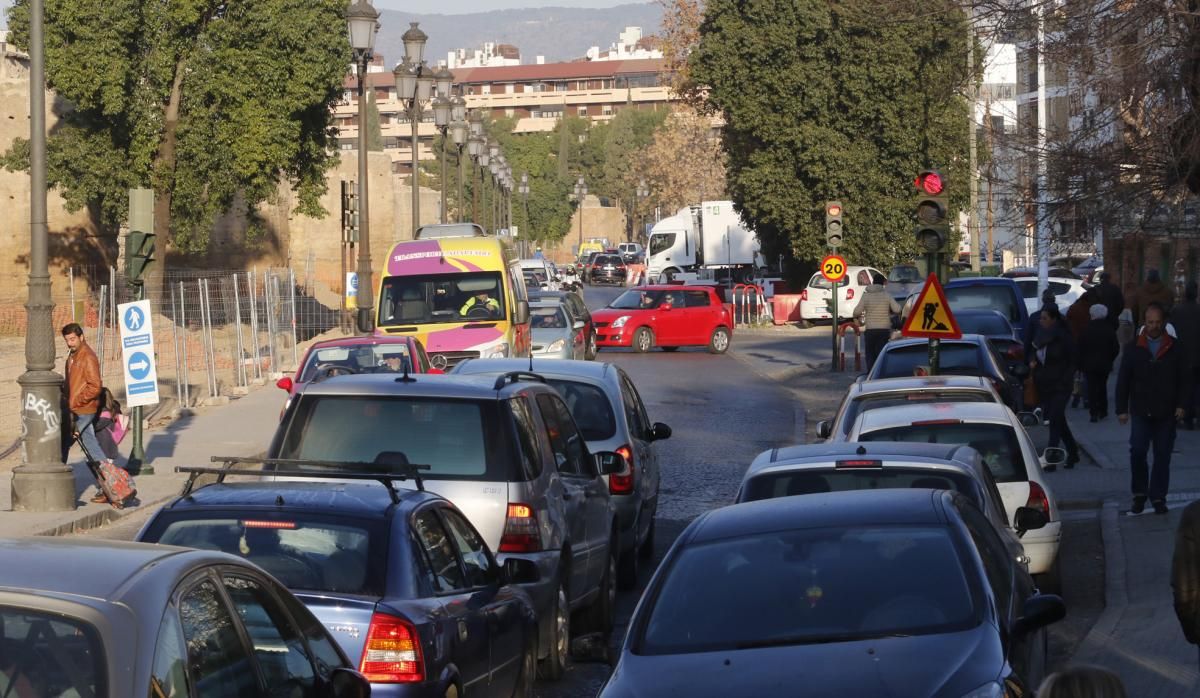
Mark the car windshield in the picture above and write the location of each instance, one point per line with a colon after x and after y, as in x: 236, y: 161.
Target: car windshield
x: 442, y: 298
x: 447, y: 435
x: 819, y: 281
x: 548, y: 318
x: 914, y: 397
x: 954, y: 358
x: 638, y: 300
x: 44, y: 654
x: 984, y: 323
x: 660, y: 242
x: 904, y: 274
x: 996, y: 443
x: 814, y: 481
x: 819, y: 585
x: 359, y: 358
x: 590, y: 408
x: 303, y: 552
x: 984, y: 297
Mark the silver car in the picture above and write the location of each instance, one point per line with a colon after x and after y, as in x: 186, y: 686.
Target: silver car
x: 156, y: 620
x: 610, y: 412
x: 557, y: 334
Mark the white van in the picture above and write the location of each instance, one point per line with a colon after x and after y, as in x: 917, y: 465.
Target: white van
x: 813, y: 299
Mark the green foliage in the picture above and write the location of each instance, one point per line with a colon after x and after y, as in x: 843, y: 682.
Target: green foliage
x: 374, y: 130
x: 256, y: 82
x: 845, y: 100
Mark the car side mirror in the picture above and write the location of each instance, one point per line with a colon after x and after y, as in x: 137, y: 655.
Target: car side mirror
x: 1019, y: 371
x: 1038, y: 612
x: 664, y: 307
x: 520, y: 571
x: 1029, y: 419
x: 285, y: 383
x: 347, y: 683
x: 1029, y: 519
x: 521, y: 312
x: 1054, y: 456
x: 659, y: 431
x: 579, y: 324
x: 610, y: 463
x: 824, y: 429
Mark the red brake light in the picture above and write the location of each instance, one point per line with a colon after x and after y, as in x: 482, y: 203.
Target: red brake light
x: 859, y: 464
x: 288, y: 525
x: 521, y: 534
x: 1038, y: 498
x: 849, y: 294
x: 392, y: 653
x: 622, y: 483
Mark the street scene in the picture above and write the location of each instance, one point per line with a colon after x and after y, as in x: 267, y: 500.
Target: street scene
x: 767, y: 348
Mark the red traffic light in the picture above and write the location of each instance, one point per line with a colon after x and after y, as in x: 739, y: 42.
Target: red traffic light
x: 930, y: 183
x: 833, y: 210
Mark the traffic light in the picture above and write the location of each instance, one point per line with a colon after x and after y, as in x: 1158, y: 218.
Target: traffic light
x: 833, y: 223
x: 139, y: 256
x: 933, y: 228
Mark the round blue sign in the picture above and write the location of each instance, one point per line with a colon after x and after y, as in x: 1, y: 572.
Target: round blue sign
x: 139, y: 365
x: 134, y: 319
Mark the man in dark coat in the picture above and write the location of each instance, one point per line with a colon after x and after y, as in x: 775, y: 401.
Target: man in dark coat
x: 1111, y: 297
x: 1053, y: 363
x: 1186, y: 319
x: 1153, y: 388
x: 1031, y: 328
x: 1098, y: 349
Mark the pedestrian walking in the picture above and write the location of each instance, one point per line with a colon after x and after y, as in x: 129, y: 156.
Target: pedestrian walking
x: 1153, y: 388
x: 1185, y: 573
x: 1150, y: 292
x: 83, y: 393
x: 874, y: 312
x: 1098, y: 349
x: 1031, y: 328
x: 1053, y: 364
x: 1111, y: 297
x: 1078, y: 317
x: 1082, y: 682
x: 1186, y: 319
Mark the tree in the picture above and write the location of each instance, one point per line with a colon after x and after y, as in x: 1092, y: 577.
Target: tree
x: 207, y: 101
x: 374, y: 130
x: 684, y: 164
x: 825, y: 101
x: 681, y: 34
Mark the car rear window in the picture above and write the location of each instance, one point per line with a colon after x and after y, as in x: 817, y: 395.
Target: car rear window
x: 45, y: 654
x: 997, y: 443
x: 955, y: 358
x: 590, y: 408
x: 815, y: 481
x: 984, y: 324
x: 916, y: 397
x: 984, y: 297
x: 457, y: 439
x: 819, y: 281
x: 304, y: 552
x: 610, y: 259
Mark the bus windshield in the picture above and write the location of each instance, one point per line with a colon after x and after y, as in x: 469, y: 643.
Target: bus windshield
x: 442, y: 298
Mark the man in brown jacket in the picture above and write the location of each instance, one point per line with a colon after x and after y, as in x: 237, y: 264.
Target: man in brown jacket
x: 1152, y: 291
x: 83, y: 390
x: 1185, y: 573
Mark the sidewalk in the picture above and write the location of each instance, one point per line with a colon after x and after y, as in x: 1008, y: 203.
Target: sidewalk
x: 242, y: 428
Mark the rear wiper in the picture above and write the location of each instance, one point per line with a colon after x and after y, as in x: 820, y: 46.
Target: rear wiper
x: 814, y: 640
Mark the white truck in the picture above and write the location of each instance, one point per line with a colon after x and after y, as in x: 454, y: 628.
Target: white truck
x: 710, y: 236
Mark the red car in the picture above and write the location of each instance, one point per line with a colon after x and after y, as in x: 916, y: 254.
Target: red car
x: 667, y: 316
x: 335, y: 357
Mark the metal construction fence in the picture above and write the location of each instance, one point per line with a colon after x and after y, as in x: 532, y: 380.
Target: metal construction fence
x: 215, y: 331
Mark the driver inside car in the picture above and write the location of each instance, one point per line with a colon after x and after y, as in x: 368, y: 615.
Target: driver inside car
x: 481, y: 300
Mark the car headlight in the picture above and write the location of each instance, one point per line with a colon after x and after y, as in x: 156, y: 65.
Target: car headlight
x: 500, y: 351
x: 991, y: 690
x: 556, y: 345
x: 620, y: 322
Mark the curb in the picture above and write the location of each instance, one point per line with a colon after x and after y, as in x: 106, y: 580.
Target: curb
x: 96, y: 519
x: 1116, y: 596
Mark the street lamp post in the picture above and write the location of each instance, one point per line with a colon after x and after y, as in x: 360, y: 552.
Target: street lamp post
x: 42, y: 482
x: 442, y: 107
x: 362, y: 21
x: 524, y: 191
x: 640, y: 193
x: 580, y: 194
x: 414, y: 86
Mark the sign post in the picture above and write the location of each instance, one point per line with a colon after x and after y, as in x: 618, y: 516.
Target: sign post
x: 833, y: 268
x: 137, y: 361
x: 931, y: 318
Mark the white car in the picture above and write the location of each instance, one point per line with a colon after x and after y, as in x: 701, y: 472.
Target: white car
x: 997, y: 433
x: 891, y: 392
x: 814, y: 298
x: 1066, y: 292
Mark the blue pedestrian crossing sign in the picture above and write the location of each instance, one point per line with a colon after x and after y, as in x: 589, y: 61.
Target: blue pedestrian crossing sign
x: 137, y: 350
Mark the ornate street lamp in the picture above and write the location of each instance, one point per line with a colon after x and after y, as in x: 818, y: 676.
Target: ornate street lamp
x: 415, y: 82
x: 640, y: 193
x: 362, y: 22
x: 580, y: 194
x: 458, y: 133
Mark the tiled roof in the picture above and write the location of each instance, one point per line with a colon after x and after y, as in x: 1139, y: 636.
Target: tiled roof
x: 528, y: 73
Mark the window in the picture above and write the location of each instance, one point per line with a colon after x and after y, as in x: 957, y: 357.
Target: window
x: 995, y: 556
x: 635, y: 411
x: 441, y: 298
x: 565, y: 441
x: 696, y: 299
x: 439, y: 551
x: 324, y: 654
x: 996, y: 443
x: 217, y: 661
x: 878, y: 400
x: 168, y: 674
x: 959, y: 358
x: 589, y: 406
x: 476, y: 562
x: 661, y: 242
x: 863, y: 278
x: 531, y: 453
x: 581, y: 111
x: 45, y: 654
x: 277, y: 643
x: 812, y: 481
x: 986, y: 297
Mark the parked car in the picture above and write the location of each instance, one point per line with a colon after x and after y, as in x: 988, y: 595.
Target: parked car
x: 871, y: 593
x: 890, y: 392
x: 1006, y: 447
x: 335, y: 357
x: 903, y: 281
x: 509, y: 455
x: 398, y: 576
x: 630, y: 250
x: 996, y: 328
x: 814, y: 299
x: 666, y: 316
x: 971, y: 355
x: 557, y: 333
x: 574, y: 303
x: 1053, y: 272
x: 610, y: 413
x: 585, y: 265
x: 607, y: 269
x: 989, y: 293
x: 1066, y: 292
x: 156, y: 620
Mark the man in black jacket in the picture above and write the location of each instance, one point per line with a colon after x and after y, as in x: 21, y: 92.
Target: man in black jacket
x: 1153, y: 387
x: 1111, y: 297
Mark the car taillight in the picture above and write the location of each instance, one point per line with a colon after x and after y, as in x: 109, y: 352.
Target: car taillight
x: 804, y: 295
x: 849, y: 294
x: 1015, y: 351
x: 1038, y: 498
x: 392, y: 653
x: 521, y: 533
x: 622, y: 483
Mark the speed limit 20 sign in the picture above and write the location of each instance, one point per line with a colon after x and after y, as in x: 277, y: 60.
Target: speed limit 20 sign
x: 833, y: 268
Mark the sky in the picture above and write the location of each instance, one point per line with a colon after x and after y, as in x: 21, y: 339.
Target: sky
x: 452, y: 7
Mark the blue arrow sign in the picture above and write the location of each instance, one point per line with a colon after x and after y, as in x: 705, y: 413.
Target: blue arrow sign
x: 139, y: 365
x: 134, y: 319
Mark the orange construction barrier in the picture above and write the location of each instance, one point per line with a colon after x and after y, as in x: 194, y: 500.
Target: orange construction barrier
x: 858, y: 357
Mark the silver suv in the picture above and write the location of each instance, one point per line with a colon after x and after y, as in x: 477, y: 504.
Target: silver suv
x: 508, y: 453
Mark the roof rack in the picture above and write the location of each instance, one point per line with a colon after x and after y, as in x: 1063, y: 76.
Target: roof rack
x: 514, y: 376
x: 355, y: 470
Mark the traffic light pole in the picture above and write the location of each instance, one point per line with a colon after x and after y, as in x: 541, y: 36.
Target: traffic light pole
x: 834, y: 311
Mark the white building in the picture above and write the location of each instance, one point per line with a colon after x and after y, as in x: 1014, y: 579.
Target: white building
x: 491, y: 55
x: 630, y: 45
x: 1000, y: 212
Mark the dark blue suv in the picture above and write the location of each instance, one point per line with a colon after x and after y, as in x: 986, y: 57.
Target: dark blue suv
x: 399, y: 576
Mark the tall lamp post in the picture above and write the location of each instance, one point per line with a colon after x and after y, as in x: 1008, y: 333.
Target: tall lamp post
x: 442, y: 107
x: 523, y: 189
x: 42, y: 482
x: 640, y: 193
x: 362, y: 21
x: 414, y: 86
x: 580, y: 195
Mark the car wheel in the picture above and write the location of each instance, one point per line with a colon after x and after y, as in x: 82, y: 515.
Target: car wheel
x: 669, y: 275
x: 670, y: 348
x: 599, y: 617
x: 524, y: 687
x: 554, y: 665
x: 592, y: 349
x: 643, y: 340
x: 806, y: 324
x: 627, y: 569
x: 719, y: 342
